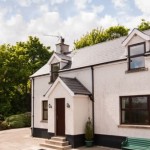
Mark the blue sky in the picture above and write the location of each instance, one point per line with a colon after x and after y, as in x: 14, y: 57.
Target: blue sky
x: 69, y: 18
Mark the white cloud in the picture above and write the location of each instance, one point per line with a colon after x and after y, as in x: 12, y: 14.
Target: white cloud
x: 97, y: 8
x: 81, y: 4
x: 43, y: 8
x: 24, y: 3
x: 144, y: 6
x: 133, y: 21
x: 53, y: 2
x: 13, y: 29
x: 72, y: 28
x: 119, y: 3
x: 18, y: 28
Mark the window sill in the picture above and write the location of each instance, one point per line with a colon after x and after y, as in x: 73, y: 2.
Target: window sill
x: 44, y: 121
x: 136, y: 70
x: 134, y: 126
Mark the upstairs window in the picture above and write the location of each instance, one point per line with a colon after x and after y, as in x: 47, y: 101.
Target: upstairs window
x: 45, y: 110
x: 54, y: 71
x: 135, y: 110
x: 136, y: 56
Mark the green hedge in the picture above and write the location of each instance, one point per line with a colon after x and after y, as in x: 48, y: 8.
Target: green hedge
x: 16, y: 121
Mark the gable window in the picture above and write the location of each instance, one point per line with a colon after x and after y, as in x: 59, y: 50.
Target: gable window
x: 54, y: 71
x: 135, y: 110
x: 44, y: 110
x: 136, y: 56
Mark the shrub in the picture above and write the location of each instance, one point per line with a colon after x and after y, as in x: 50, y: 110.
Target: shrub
x: 89, y: 130
x: 27, y: 119
x: 4, y: 125
x: 1, y: 117
x: 19, y: 121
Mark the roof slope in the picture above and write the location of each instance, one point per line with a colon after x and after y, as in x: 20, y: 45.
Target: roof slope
x: 100, y: 53
x: 75, y: 86
x: 42, y: 71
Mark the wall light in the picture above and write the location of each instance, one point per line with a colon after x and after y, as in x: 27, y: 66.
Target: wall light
x: 68, y: 105
x: 50, y: 106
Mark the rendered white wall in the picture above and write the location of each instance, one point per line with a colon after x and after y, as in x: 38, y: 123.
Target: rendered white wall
x: 136, y: 39
x: 111, y: 81
x: 55, y: 60
x: 63, y: 64
x: 40, y: 87
x: 61, y: 92
x: 83, y: 75
x: 82, y: 110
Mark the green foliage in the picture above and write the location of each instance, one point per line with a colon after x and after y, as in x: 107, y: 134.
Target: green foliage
x: 89, y: 130
x: 100, y: 35
x: 1, y: 117
x: 17, y: 121
x: 4, y: 125
x: 116, y: 32
x: 145, y: 25
x: 17, y: 63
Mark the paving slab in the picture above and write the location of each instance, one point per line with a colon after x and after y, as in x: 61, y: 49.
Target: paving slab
x: 21, y: 139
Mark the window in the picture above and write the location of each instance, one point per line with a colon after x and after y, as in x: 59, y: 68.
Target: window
x: 45, y: 110
x: 135, y: 110
x: 54, y: 71
x: 136, y: 56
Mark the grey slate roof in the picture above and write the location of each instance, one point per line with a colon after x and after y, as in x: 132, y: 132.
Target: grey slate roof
x: 100, y: 53
x: 75, y: 86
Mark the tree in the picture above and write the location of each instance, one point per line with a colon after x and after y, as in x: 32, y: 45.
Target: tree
x: 116, y: 32
x: 100, y: 35
x: 145, y: 25
x: 17, y: 63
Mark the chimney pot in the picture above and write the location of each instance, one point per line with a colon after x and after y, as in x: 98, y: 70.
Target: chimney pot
x: 62, y: 40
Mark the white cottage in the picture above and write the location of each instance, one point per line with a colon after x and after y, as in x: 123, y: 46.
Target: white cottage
x: 109, y: 82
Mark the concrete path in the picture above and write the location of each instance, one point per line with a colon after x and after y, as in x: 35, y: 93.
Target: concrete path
x: 20, y: 139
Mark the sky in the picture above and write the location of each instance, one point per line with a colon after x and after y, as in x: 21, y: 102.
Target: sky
x: 67, y: 18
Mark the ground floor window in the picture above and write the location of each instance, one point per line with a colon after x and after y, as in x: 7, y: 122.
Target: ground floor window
x: 135, y: 110
x: 44, y: 110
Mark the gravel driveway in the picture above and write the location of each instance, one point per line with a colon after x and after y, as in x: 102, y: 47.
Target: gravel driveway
x: 20, y: 139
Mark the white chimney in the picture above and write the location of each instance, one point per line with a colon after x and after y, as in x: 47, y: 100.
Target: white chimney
x: 61, y: 47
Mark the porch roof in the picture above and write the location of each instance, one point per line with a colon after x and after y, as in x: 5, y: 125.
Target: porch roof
x: 75, y: 86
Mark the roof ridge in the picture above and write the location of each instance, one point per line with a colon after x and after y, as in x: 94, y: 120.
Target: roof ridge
x: 102, y: 42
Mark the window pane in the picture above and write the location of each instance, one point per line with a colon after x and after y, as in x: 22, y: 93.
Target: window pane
x: 139, y: 117
x: 136, y: 110
x: 139, y: 102
x: 137, y: 62
x: 125, y: 102
x: 45, y: 115
x: 55, y: 67
x: 45, y: 110
x: 54, y: 71
x: 55, y: 75
x: 126, y: 117
x: 45, y: 105
x: 138, y: 49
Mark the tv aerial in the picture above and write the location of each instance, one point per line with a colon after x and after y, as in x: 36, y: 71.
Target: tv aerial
x: 60, y: 38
